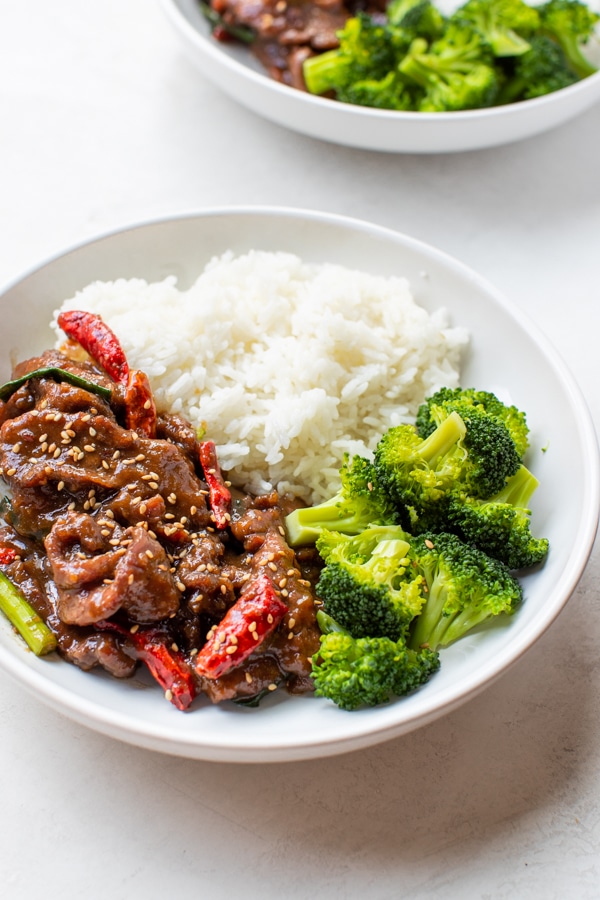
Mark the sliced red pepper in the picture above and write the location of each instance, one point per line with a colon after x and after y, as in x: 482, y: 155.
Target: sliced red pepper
x: 98, y: 340
x: 219, y: 493
x: 166, y: 664
x: 7, y: 555
x: 244, y: 627
x: 140, y: 409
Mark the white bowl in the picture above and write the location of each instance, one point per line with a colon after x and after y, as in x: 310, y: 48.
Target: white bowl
x: 233, y: 68
x: 508, y: 355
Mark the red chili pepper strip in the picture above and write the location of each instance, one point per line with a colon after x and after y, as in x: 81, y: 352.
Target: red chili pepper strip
x: 7, y: 555
x: 166, y: 665
x: 140, y: 409
x: 244, y: 627
x: 219, y: 493
x: 98, y: 340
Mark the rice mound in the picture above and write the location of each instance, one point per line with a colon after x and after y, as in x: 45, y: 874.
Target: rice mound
x: 286, y: 365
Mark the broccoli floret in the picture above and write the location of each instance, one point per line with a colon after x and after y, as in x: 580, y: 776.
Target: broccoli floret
x: 368, y: 50
x: 355, y: 672
x: 465, y: 588
x: 386, y: 93
x: 417, y: 17
x: 501, y: 526
x: 417, y: 473
x: 571, y: 24
x: 456, y: 72
x: 463, y: 400
x: 505, y: 24
x: 476, y: 454
x: 542, y: 70
x: 360, y: 502
x: 362, y: 585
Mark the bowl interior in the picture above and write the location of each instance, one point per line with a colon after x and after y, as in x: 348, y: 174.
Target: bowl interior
x: 234, y: 70
x: 507, y: 355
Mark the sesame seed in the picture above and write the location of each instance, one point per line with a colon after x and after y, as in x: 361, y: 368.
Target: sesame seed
x: 272, y: 566
x: 47, y: 470
x: 42, y: 438
x: 16, y: 447
x: 93, y: 432
x: 130, y: 579
x: 291, y: 622
x: 248, y: 677
x: 89, y: 448
x: 168, y: 695
x: 270, y: 619
x: 147, y: 404
x: 255, y: 635
x: 193, y: 510
x: 272, y: 687
x: 116, y: 454
x: 44, y: 446
x: 290, y: 635
x: 11, y: 471
x: 60, y: 486
x: 52, y: 448
x: 140, y: 457
x: 180, y: 586
x: 252, y: 626
x: 230, y: 650
x: 282, y: 582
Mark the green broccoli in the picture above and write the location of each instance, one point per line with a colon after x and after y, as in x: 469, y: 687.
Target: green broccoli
x: 464, y: 400
x: 571, y: 24
x: 542, y: 70
x: 476, y: 454
x: 363, y: 586
x: 360, y: 502
x: 420, y: 18
x: 355, y: 672
x: 389, y: 92
x: 501, y: 526
x: 464, y: 588
x: 368, y: 50
x: 505, y: 24
x: 456, y: 71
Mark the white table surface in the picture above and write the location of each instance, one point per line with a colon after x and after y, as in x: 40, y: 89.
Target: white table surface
x: 104, y: 122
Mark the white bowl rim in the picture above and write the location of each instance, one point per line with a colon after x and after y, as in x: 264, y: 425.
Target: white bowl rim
x: 147, y: 734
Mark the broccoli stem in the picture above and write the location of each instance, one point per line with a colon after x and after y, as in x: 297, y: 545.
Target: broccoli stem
x: 30, y: 626
x: 519, y: 489
x: 304, y: 525
x: 574, y: 54
x: 325, y: 72
x: 431, y: 624
x: 443, y: 440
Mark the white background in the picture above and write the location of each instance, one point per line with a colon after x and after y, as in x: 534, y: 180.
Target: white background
x: 104, y: 122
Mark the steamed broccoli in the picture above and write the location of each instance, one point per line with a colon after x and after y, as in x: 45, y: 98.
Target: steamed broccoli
x: 475, y: 453
x: 368, y: 50
x: 355, y: 672
x: 542, y: 70
x: 501, y: 526
x: 464, y: 588
x: 419, y: 18
x: 464, y: 400
x: 505, y: 24
x: 571, y: 24
x: 360, y: 502
x: 362, y: 585
x: 456, y: 71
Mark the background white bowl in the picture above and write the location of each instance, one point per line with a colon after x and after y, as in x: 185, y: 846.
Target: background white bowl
x: 508, y: 355
x: 233, y: 68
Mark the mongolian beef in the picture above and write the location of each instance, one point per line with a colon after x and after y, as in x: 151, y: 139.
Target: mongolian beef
x: 123, y: 536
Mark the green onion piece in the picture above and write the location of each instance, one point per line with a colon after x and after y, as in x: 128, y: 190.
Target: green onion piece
x: 30, y: 626
x: 241, y: 32
x: 8, y: 389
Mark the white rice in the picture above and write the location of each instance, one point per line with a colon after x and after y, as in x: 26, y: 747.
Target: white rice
x: 287, y: 366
